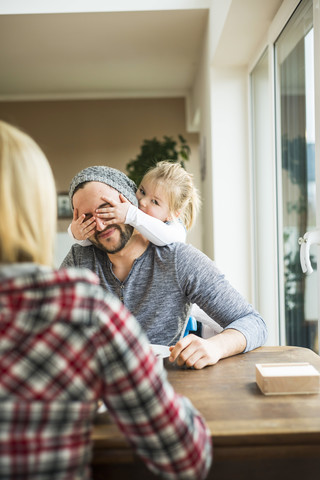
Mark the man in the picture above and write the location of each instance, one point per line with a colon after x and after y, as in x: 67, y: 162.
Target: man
x: 159, y: 284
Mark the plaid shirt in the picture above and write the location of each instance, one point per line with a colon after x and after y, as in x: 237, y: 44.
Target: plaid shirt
x: 65, y: 343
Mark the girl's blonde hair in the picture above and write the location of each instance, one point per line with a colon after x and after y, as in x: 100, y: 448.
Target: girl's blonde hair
x: 28, y: 202
x: 177, y: 183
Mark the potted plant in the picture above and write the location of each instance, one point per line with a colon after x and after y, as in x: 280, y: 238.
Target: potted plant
x: 153, y: 151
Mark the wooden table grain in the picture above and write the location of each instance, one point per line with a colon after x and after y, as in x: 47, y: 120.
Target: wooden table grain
x: 254, y: 436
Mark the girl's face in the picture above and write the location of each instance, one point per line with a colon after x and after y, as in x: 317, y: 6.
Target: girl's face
x: 153, y: 201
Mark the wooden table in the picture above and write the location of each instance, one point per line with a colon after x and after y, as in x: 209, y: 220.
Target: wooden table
x: 254, y: 436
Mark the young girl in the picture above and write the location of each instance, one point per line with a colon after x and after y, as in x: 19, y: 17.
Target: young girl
x: 168, y: 204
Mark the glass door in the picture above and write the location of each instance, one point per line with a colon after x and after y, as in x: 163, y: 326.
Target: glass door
x: 295, y: 126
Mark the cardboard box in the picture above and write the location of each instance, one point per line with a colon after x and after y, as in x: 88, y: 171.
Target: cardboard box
x: 287, y: 378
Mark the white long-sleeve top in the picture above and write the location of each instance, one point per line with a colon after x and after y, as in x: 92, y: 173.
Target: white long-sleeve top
x: 157, y: 232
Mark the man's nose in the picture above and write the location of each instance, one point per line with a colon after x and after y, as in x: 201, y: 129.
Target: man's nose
x: 100, y: 224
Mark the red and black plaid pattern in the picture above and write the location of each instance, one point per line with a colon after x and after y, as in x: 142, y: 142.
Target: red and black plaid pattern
x: 45, y: 440
x: 65, y: 343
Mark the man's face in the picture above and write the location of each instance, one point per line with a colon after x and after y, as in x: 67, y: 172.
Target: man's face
x: 86, y: 201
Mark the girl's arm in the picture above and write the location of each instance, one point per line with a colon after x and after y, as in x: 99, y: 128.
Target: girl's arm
x: 155, y: 230
x: 152, y: 228
x: 83, y: 243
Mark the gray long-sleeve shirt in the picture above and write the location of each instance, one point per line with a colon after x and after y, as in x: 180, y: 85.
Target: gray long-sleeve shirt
x: 162, y: 285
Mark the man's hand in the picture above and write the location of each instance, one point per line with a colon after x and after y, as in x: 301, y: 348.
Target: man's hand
x: 82, y: 229
x: 114, y: 212
x: 198, y: 353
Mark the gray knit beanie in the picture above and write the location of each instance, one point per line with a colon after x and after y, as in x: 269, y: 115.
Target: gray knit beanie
x: 110, y: 176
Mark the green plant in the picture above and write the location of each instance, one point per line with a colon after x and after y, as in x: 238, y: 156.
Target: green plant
x: 153, y: 151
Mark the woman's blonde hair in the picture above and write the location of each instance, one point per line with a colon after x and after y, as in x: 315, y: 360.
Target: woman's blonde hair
x: 28, y: 202
x: 177, y: 183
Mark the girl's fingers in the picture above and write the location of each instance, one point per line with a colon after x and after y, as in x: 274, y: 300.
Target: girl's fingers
x: 87, y: 232
x: 111, y: 202
x: 89, y: 227
x: 104, y: 210
x: 89, y: 222
x: 123, y: 199
x: 106, y: 215
x: 79, y: 220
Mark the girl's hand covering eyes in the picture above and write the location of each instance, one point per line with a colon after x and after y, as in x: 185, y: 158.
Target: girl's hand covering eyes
x: 114, y: 212
x: 82, y: 227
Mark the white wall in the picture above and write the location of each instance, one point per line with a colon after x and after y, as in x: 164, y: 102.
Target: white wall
x: 199, y: 108
x: 62, y: 247
x: 219, y: 102
x: 231, y: 177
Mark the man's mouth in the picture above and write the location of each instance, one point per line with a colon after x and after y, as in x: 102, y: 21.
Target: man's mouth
x: 107, y: 233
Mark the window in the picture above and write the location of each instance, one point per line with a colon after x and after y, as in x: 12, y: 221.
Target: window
x: 285, y: 176
x: 295, y: 129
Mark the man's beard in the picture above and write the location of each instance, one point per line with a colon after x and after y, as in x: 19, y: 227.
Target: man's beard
x: 125, y: 235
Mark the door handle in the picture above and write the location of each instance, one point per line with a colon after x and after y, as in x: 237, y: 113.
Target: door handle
x: 308, y: 239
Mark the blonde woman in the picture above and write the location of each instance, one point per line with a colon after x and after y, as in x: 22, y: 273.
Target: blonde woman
x: 65, y: 343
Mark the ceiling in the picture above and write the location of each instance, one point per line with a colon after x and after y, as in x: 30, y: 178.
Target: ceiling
x: 120, y: 54
x: 100, y: 54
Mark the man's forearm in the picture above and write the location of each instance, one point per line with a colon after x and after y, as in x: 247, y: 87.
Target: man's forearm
x: 229, y: 342
x: 197, y: 352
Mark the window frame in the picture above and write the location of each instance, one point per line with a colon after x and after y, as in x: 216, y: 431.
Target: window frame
x: 276, y: 325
